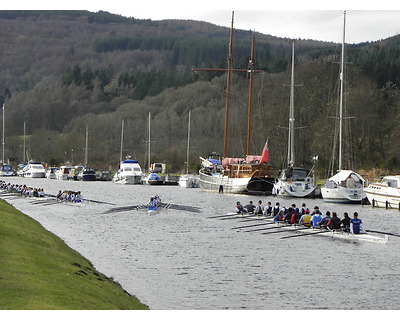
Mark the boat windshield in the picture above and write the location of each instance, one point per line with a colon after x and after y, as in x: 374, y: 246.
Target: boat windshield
x: 390, y: 183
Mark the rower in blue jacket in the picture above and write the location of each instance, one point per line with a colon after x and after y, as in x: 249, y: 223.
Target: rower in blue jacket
x: 356, y: 224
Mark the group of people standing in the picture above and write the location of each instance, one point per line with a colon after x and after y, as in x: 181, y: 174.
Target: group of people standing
x: 303, y: 216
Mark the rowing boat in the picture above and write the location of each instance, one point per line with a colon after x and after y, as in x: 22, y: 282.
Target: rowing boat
x: 342, y: 235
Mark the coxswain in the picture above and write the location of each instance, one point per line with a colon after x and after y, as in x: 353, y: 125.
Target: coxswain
x: 239, y: 208
x: 356, y: 224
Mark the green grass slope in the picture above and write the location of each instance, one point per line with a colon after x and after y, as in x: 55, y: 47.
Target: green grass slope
x: 38, y: 271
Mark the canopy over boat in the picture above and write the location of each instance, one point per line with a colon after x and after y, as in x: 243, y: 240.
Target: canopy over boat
x: 343, y: 175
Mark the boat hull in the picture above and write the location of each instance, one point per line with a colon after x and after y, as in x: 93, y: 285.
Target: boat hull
x: 297, y: 189
x: 383, y: 196
x: 221, y: 183
x: 188, y: 181
x: 343, y: 195
x: 341, y: 235
x: 127, y: 179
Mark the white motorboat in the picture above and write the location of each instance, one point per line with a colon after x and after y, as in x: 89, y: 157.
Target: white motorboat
x: 295, y: 181
x: 51, y: 173
x: 62, y: 173
x: 385, y: 193
x: 188, y: 181
x: 345, y: 186
x: 129, y: 172
x: 34, y: 170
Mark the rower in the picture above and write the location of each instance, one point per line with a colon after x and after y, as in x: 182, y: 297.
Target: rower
x: 345, y: 222
x: 356, y: 224
x: 239, y: 208
x: 334, y: 222
x: 305, y: 219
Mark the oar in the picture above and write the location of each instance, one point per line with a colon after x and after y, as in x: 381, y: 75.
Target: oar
x: 305, y: 234
x: 278, y: 227
x: 255, y: 219
x: 224, y: 215
x: 253, y: 225
x: 235, y: 217
x: 285, y: 230
x: 387, y: 233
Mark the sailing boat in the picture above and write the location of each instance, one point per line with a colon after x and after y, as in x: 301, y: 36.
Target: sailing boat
x: 188, y: 180
x: 295, y: 181
x: 129, y: 171
x: 233, y: 175
x: 346, y: 186
x: 87, y: 174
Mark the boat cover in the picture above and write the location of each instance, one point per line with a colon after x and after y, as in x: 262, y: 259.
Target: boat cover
x: 343, y: 175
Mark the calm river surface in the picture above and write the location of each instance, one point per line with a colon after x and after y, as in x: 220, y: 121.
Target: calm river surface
x: 180, y: 260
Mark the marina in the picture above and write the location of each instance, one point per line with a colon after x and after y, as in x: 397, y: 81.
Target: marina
x: 183, y: 260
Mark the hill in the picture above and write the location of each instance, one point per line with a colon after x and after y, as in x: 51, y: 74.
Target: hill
x: 63, y: 70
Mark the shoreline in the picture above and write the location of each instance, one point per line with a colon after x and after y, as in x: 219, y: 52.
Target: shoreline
x: 41, y: 272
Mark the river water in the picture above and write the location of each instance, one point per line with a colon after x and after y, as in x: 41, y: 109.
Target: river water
x: 182, y: 260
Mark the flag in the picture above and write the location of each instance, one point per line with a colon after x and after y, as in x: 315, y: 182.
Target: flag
x: 264, y: 155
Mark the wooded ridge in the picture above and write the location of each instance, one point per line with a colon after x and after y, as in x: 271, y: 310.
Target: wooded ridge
x: 63, y: 70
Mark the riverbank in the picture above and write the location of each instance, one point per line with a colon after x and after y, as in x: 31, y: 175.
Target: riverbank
x: 38, y: 271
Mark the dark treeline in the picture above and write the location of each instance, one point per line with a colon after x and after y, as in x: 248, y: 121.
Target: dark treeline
x: 63, y: 70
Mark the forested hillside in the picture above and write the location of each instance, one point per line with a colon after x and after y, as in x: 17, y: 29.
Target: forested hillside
x: 61, y: 71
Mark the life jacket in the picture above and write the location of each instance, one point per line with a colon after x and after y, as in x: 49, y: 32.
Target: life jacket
x: 306, y: 220
x: 316, y: 220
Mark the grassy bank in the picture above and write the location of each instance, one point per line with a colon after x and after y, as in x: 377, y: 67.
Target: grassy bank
x: 38, y: 271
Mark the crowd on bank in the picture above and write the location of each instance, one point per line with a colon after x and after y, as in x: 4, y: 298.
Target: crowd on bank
x: 303, y: 216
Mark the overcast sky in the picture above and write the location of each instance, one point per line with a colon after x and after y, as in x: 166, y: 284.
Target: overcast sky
x: 367, y: 20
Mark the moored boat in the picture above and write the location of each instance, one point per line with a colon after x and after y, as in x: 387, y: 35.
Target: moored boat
x: 51, y: 173
x: 385, y: 193
x: 7, y: 170
x: 188, y: 181
x: 346, y: 186
x: 232, y: 175
x: 129, y: 172
x: 295, y: 181
x: 34, y: 170
x: 62, y: 173
x: 87, y: 174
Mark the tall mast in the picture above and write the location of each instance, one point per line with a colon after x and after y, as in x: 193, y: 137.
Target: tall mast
x: 122, y: 141
x: 249, y: 110
x: 291, y: 115
x: 86, y: 146
x: 188, y: 146
x: 228, y: 88
x: 3, y: 142
x: 341, y: 93
x: 23, y: 157
x: 149, y: 144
